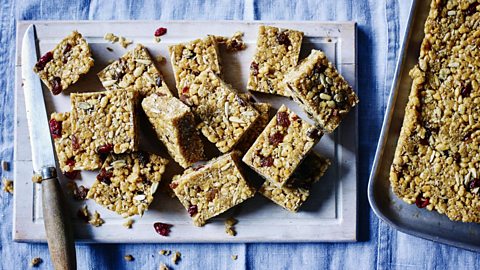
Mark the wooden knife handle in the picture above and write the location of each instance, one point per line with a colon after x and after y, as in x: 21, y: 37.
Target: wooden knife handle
x: 57, y: 222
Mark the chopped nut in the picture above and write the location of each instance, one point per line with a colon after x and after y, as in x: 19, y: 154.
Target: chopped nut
x: 95, y: 220
x: 129, y: 258
x: 110, y: 37
x: 7, y: 185
x: 163, y: 267
x: 5, y: 166
x: 176, y: 257
x: 165, y: 252
x: 35, y: 262
x: 234, y: 257
x: 37, y: 178
x: 229, y: 226
x: 128, y: 224
x: 124, y: 42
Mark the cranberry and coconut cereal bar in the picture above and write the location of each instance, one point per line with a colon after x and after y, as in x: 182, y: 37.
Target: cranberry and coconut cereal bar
x: 190, y: 59
x: 126, y: 183
x: 277, y: 52
x: 297, y: 189
x: 175, y: 126
x: 320, y: 90
x: 224, y: 115
x: 103, y: 122
x: 282, y: 146
x: 212, y: 189
x: 64, y: 65
x: 136, y: 70
x: 436, y: 163
x: 258, y: 126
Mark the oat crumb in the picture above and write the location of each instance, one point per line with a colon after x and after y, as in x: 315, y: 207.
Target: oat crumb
x: 128, y: 224
x: 235, y: 43
x: 110, y: 37
x: 35, y: 262
x: 124, y: 42
x: 95, y: 220
x: 37, y: 178
x: 129, y: 258
x: 229, y: 226
x: 163, y: 267
x: 165, y: 252
x: 5, y: 166
x: 234, y: 257
x: 7, y: 185
x: 157, y: 39
x: 177, y: 256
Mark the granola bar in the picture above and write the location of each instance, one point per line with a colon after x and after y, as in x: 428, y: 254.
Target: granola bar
x: 174, y: 124
x: 297, y: 189
x: 258, y: 126
x: 277, y: 52
x: 190, y: 59
x: 282, y: 146
x: 64, y: 65
x: 321, y: 91
x: 126, y: 183
x: 212, y: 189
x: 61, y: 130
x: 103, y: 122
x: 436, y: 160
x: 136, y: 70
x: 224, y: 115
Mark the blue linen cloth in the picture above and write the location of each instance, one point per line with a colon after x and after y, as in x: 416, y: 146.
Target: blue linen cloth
x: 380, y: 27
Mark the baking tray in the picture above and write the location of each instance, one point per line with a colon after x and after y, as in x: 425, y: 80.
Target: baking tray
x: 386, y: 205
x: 329, y: 215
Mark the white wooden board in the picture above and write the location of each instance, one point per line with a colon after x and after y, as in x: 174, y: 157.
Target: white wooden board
x: 330, y: 214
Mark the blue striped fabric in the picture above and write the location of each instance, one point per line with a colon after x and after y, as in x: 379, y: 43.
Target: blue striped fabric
x: 380, y: 27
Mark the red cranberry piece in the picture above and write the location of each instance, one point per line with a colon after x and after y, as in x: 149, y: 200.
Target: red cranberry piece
x: 185, y: 90
x: 40, y: 65
x: 68, y: 47
x: 192, y: 210
x: 283, y: 119
x: 266, y: 161
x: 254, y: 68
x: 283, y: 39
x: 56, y: 85
x: 162, y: 228
x: 474, y: 183
x: 75, y: 144
x: 70, y: 162
x: 173, y: 185
x: 160, y: 31
x: 80, y: 193
x: 104, y: 176
x: 466, y: 90
x: 421, y: 202
x: 55, y: 128
x: 72, y: 174
x: 276, y: 138
x: 105, y: 149
x: 211, y: 194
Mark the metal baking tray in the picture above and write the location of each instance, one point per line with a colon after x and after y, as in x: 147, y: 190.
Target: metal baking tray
x: 388, y: 207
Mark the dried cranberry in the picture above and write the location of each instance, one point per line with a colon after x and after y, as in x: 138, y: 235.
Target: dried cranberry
x: 427, y: 46
x: 162, y: 228
x: 70, y: 162
x: 276, y: 138
x: 56, y: 85
x: 471, y: 9
x: 283, y: 119
x: 235, y: 46
x: 283, y: 39
x: 314, y: 133
x: 254, y: 68
x: 457, y: 157
x: 185, y: 90
x: 192, y: 210
x: 104, y: 176
x: 80, y: 193
x: 75, y: 144
x: 144, y: 157
x: 421, y: 202
x: 68, y: 47
x: 266, y: 161
x: 40, y: 65
x: 158, y: 81
x: 211, y: 194
x: 105, y: 149
x: 55, y: 128
x: 71, y: 174
x: 474, y: 183
x: 160, y: 31
x: 467, y: 137
x: 173, y: 185
x: 466, y: 90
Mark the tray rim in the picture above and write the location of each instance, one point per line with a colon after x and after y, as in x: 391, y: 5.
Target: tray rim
x: 373, y: 179
x: 348, y: 236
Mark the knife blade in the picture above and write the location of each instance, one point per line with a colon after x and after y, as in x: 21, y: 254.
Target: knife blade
x: 55, y: 210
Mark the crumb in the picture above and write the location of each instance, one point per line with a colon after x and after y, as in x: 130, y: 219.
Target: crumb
x: 109, y: 49
x: 129, y: 258
x: 5, y: 166
x: 165, y: 252
x: 235, y: 43
x: 128, y: 224
x: 234, y: 257
x: 162, y: 228
x: 80, y: 193
x: 177, y: 256
x: 95, y: 220
x: 37, y: 178
x: 124, y: 42
x: 83, y: 214
x: 163, y: 267
x: 7, y: 185
x: 35, y: 262
x: 110, y: 37
x: 160, y: 59
x: 229, y: 226
x: 157, y: 39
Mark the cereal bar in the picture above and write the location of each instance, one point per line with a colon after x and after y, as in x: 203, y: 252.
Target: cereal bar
x: 136, y: 70
x: 257, y: 127
x: 210, y: 190
x: 277, y: 52
x: 175, y: 126
x: 436, y: 163
x: 297, y: 189
x: 321, y: 91
x: 190, y: 59
x: 103, y: 122
x: 224, y: 115
x: 127, y: 182
x: 64, y: 65
x: 282, y: 146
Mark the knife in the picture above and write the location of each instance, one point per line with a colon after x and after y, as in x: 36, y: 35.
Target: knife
x: 55, y: 213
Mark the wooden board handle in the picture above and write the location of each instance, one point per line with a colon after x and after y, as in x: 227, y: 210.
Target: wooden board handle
x: 58, y: 226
